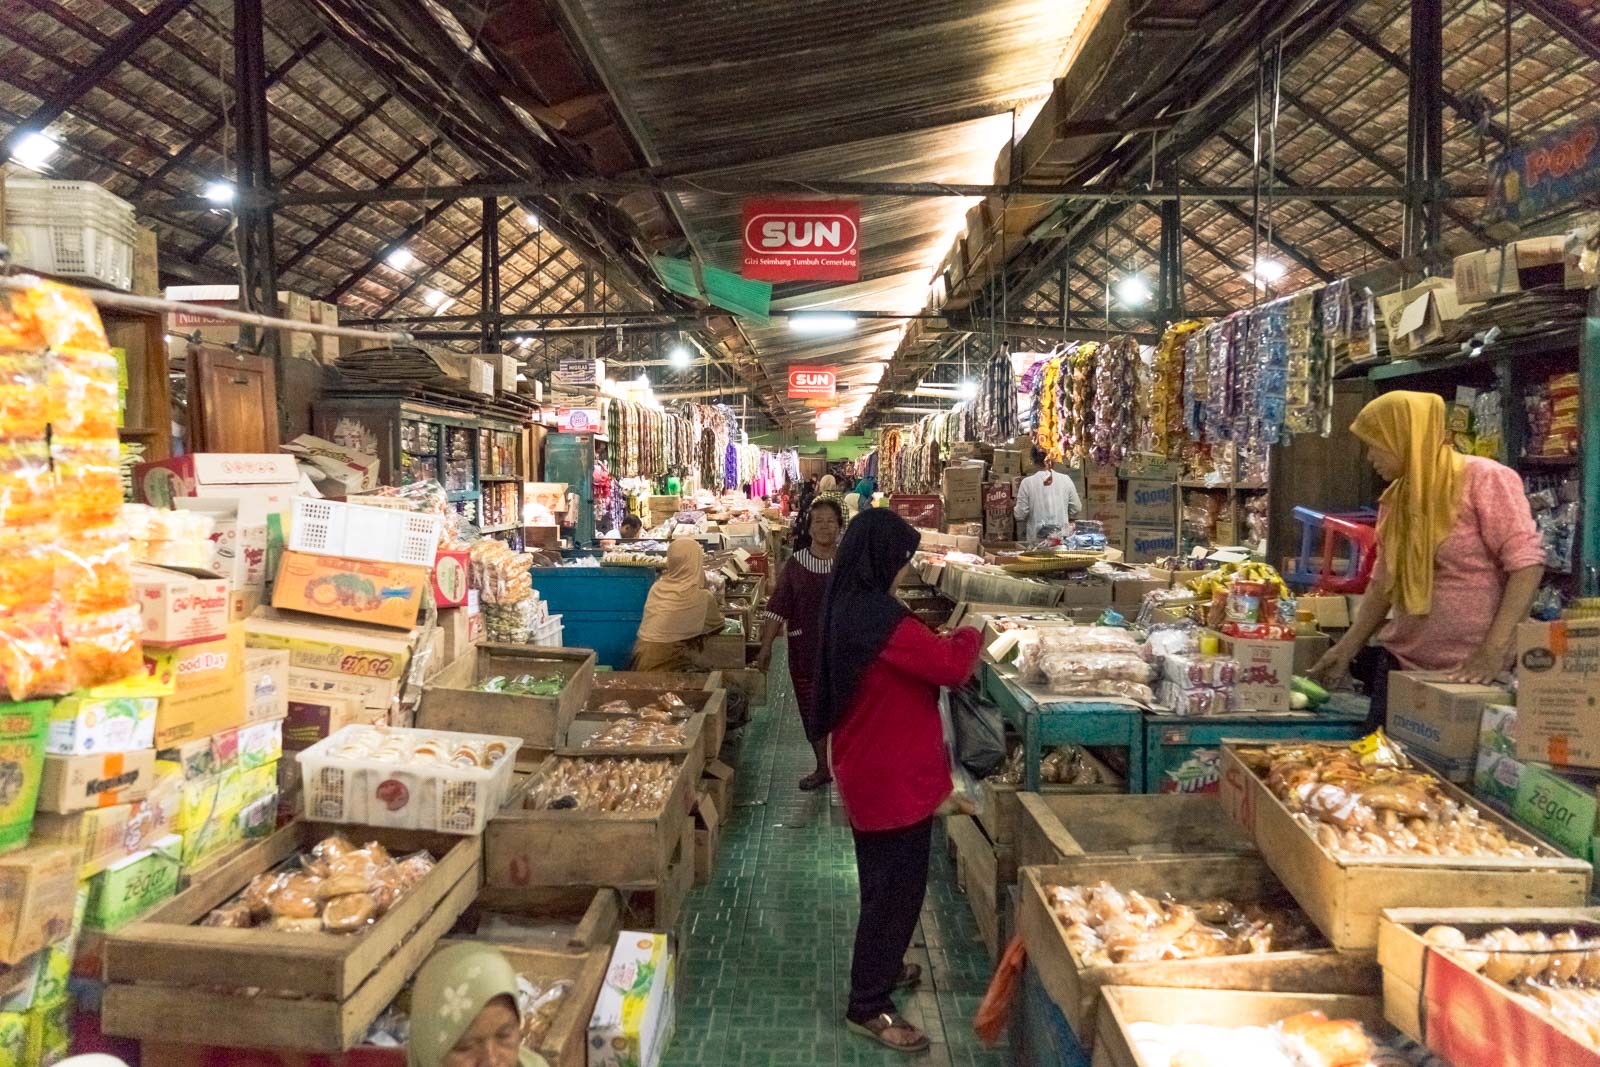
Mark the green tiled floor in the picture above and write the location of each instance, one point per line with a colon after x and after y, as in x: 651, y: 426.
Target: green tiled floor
x: 766, y: 972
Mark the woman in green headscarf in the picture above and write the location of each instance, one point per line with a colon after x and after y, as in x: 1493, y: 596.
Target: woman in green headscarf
x: 464, y: 1012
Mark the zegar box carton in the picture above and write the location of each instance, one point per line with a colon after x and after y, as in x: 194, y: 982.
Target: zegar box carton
x: 1558, y: 692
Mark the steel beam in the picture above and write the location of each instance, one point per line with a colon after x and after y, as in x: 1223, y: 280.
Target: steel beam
x: 110, y: 58
x: 258, y: 271
x: 1568, y: 20
x: 489, y: 274
x: 1424, y: 127
x: 351, y: 212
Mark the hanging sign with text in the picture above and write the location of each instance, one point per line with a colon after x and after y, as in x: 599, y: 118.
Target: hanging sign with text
x: 1555, y: 169
x: 812, y: 383
x: 802, y: 240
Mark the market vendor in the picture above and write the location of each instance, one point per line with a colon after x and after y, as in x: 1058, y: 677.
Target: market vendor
x: 797, y: 604
x: 877, y: 697
x: 464, y: 1012
x: 678, y: 614
x: 1047, y: 502
x: 1459, y: 557
x: 632, y: 527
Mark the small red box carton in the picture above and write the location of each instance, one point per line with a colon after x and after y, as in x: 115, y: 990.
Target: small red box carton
x: 451, y: 568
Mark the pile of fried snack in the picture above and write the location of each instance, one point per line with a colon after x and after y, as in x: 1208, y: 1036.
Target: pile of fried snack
x: 1309, y: 1039
x: 607, y: 785
x: 666, y: 708
x: 1065, y: 765
x: 1560, y: 971
x: 1367, y: 799
x: 629, y: 732
x: 335, y: 888
x: 1107, y: 926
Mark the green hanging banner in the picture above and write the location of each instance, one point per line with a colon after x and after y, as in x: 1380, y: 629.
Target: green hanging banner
x: 725, y: 289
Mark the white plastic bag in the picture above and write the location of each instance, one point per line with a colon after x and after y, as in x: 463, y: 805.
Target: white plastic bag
x: 965, y: 797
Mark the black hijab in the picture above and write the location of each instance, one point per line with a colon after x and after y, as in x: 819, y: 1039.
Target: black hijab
x: 859, y: 611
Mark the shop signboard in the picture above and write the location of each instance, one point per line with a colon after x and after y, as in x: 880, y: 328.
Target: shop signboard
x: 812, y: 383
x: 579, y: 420
x: 1558, y: 168
x: 801, y: 240
x: 579, y: 373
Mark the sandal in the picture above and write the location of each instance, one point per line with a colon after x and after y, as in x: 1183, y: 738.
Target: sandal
x: 815, y: 780
x: 881, y: 1026
x: 910, y: 977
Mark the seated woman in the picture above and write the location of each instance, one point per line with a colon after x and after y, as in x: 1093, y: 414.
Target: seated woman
x: 679, y: 613
x: 464, y: 1012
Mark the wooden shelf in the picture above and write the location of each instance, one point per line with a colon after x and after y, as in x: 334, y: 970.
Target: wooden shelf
x: 499, y: 478
x: 498, y: 529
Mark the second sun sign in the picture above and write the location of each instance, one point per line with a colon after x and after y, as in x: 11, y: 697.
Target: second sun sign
x: 802, y: 240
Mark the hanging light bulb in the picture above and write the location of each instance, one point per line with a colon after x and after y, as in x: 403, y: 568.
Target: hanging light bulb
x: 1268, y: 272
x: 1133, y: 291
x: 219, y: 192
x: 400, y: 258
x: 680, y: 357
x: 33, y: 151
x: 968, y: 389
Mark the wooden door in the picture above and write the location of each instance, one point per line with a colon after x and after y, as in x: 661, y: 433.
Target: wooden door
x: 233, y: 402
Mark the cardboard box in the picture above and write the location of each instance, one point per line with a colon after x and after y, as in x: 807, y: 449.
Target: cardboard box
x: 480, y: 376
x: 1129, y: 592
x: 717, y: 783
x: 633, y: 1019
x: 177, y: 608
x: 1525, y: 264
x: 1440, y: 718
x: 1265, y: 668
x: 100, y: 837
x: 22, y: 739
x: 1007, y: 463
x: 260, y: 744
x: 381, y: 594
x: 962, y: 493
x: 376, y: 696
x: 1111, y: 514
x: 38, y: 895
x: 1308, y: 648
x: 1420, y: 315
x: 73, y: 783
x: 343, y: 648
x: 1558, y: 809
x: 707, y: 838
x: 1152, y: 503
x: 328, y: 315
x: 1558, y: 692
x: 130, y: 887
x: 1498, y: 770
x: 266, y: 684
x: 1146, y: 544
x: 270, y: 479
x: 314, y: 716
x: 210, y: 694
x: 451, y: 568
x: 1094, y: 592
x: 333, y: 468
x: 1331, y: 612
x: 80, y: 724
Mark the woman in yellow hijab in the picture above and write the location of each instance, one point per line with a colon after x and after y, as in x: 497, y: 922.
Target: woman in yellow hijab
x: 678, y: 613
x: 1459, y: 556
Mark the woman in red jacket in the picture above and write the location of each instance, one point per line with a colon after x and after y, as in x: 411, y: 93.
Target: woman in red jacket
x: 877, y: 697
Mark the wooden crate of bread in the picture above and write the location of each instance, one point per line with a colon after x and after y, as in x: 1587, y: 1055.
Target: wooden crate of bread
x: 678, y: 681
x: 1075, y: 985
x: 1424, y: 989
x: 576, y: 846
x: 574, y: 920
x: 1051, y: 827
x: 1002, y: 807
x: 166, y: 975
x: 1344, y: 893
x: 714, y: 702
x: 589, y: 724
x: 1125, y: 1005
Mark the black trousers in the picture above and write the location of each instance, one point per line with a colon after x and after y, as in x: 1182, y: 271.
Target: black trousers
x: 1372, y: 668
x: 893, y: 868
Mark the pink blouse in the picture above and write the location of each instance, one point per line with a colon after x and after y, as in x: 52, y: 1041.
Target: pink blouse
x: 1494, y: 535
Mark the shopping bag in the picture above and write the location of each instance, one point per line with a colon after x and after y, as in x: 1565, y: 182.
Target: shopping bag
x: 980, y: 731
x: 965, y: 797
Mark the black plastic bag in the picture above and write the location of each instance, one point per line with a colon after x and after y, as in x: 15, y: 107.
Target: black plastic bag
x: 980, y: 731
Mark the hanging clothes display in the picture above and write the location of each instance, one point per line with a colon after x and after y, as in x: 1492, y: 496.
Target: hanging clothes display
x: 1161, y: 429
x: 996, y: 412
x: 1112, y: 400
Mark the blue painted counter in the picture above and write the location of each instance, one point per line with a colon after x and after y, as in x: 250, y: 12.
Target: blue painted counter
x: 600, y: 607
x: 1066, y: 722
x: 1183, y: 754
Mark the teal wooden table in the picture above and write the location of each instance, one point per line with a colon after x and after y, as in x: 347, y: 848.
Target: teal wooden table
x: 1066, y: 722
x: 1183, y: 754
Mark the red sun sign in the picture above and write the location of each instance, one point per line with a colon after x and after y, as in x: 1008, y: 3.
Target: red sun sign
x: 802, y: 240
x: 812, y: 383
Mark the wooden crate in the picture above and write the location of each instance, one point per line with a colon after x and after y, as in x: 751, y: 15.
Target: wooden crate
x: 1403, y: 956
x: 722, y: 652
x: 714, y: 702
x: 567, y: 1043
x: 450, y: 703
x: 681, y: 681
x: 165, y: 975
x: 524, y: 847
x: 1076, y: 988
x: 1051, y: 828
x: 1002, y: 810
x: 588, y: 723
x: 576, y: 919
x: 1125, y: 1005
x: 983, y: 870
x: 1345, y: 894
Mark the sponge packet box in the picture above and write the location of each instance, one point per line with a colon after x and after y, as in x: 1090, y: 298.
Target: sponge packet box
x: 209, y: 695
x: 362, y: 591
x: 342, y: 648
x: 81, y: 724
x: 22, y: 735
x: 132, y: 886
x: 100, y: 837
x: 633, y: 1017
x: 266, y: 684
x: 38, y: 896
x: 97, y: 780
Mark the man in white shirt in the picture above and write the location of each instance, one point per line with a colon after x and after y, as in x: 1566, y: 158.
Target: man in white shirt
x: 1046, y: 501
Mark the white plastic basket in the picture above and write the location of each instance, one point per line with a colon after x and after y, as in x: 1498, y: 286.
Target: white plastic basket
x: 404, y: 796
x: 75, y: 229
x: 548, y: 633
x: 356, y: 531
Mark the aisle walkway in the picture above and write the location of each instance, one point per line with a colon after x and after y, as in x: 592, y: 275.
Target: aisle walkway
x: 767, y: 968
